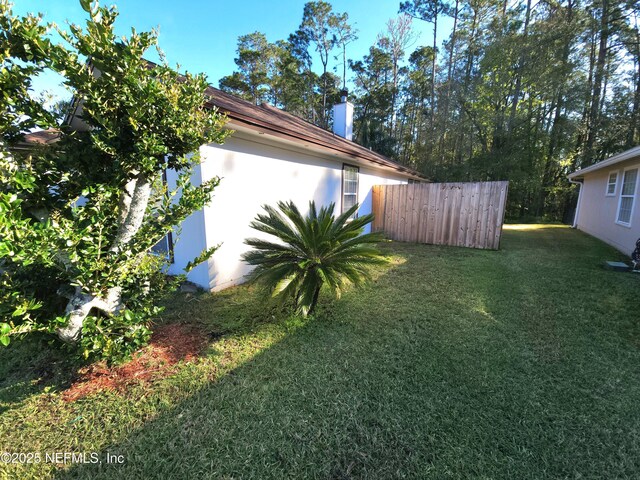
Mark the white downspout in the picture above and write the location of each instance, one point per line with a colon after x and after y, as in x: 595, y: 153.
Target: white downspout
x: 575, y: 216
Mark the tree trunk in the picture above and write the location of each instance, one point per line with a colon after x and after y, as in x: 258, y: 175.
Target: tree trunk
x: 521, y: 63
x: 464, y: 117
x: 594, y: 111
x: 632, y: 137
x: 314, y: 302
x: 554, y: 137
x: 433, y: 70
x: 447, y: 99
x: 80, y: 306
x: 584, y: 122
x: 133, y: 206
x: 394, y: 118
x: 634, y: 128
x: 323, y: 115
x: 344, y: 66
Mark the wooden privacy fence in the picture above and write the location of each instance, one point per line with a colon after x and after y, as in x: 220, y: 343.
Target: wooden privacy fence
x: 460, y: 214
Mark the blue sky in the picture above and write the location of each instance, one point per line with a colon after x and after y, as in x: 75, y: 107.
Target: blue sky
x: 201, y: 35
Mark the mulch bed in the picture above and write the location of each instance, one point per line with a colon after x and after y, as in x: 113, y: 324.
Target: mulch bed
x: 169, y: 345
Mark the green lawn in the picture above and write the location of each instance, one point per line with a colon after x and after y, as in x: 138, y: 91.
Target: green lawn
x: 454, y: 363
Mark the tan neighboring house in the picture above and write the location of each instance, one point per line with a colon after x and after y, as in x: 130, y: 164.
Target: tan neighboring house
x: 608, y: 201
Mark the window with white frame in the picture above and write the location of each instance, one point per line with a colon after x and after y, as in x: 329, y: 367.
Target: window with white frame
x: 627, y: 196
x: 611, y: 184
x: 349, y: 187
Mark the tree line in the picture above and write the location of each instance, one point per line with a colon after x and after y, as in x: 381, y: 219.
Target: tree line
x: 524, y: 91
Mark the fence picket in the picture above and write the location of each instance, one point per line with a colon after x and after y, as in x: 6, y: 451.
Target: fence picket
x: 463, y: 214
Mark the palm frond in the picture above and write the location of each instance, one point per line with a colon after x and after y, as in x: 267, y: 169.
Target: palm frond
x: 313, y: 251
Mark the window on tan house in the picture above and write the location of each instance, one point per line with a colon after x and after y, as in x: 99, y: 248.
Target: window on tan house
x: 349, y: 187
x: 611, y: 184
x: 627, y: 196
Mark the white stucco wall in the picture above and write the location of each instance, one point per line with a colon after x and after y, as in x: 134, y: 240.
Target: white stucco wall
x: 598, y: 212
x: 190, y: 238
x: 257, y: 170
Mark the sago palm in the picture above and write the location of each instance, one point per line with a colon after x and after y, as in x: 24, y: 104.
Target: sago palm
x: 310, y: 252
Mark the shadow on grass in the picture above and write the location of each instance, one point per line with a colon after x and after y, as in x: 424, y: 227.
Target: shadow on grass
x: 32, y: 366
x: 267, y: 400
x: 435, y: 370
x: 457, y: 362
x: 39, y: 364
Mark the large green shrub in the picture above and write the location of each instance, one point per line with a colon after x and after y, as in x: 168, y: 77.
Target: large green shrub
x: 312, y: 251
x: 78, y: 219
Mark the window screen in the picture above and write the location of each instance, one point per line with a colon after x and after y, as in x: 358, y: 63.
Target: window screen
x: 349, y: 187
x: 611, y: 184
x: 627, y: 196
x: 164, y: 247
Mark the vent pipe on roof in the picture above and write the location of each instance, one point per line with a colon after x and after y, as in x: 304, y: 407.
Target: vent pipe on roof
x: 343, y: 117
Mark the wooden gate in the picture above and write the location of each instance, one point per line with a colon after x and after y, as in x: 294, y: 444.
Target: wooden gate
x: 459, y: 214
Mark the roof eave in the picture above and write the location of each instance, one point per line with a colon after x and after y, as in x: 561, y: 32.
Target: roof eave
x: 279, y: 131
x: 621, y: 157
x: 326, y: 149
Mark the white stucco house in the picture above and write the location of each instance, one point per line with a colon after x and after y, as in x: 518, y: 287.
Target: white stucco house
x: 607, y: 202
x: 271, y: 156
